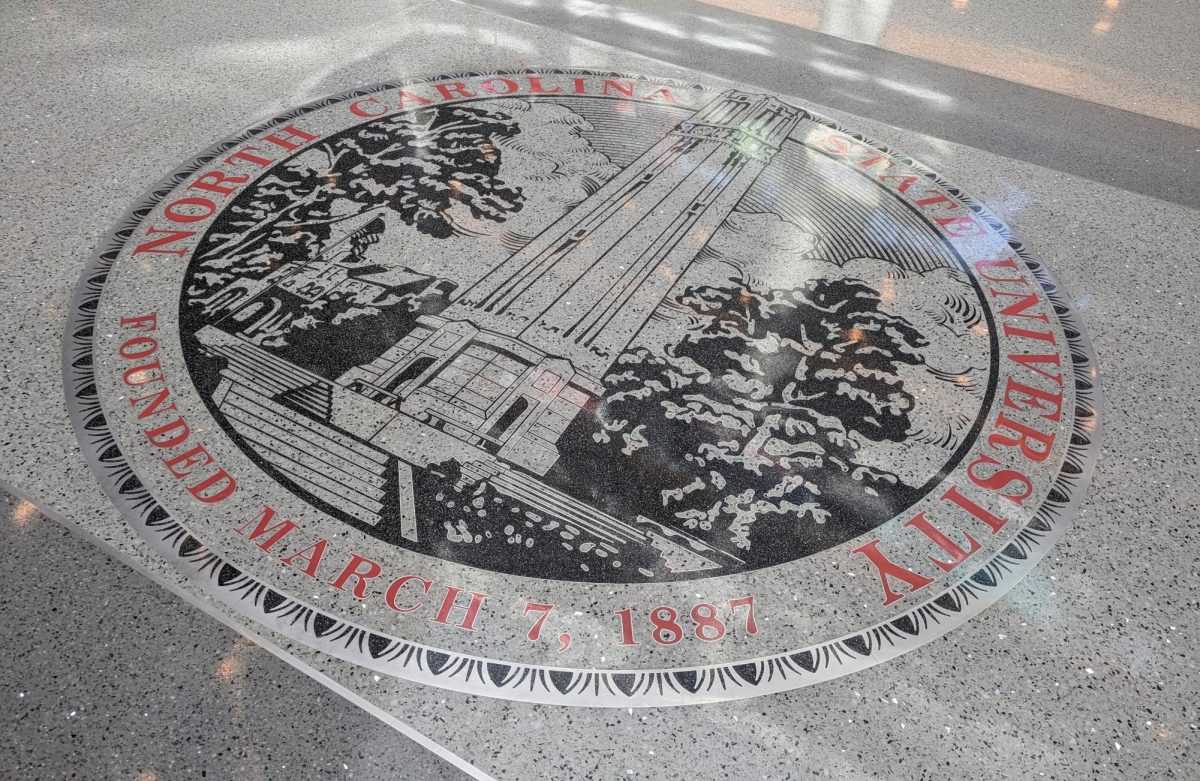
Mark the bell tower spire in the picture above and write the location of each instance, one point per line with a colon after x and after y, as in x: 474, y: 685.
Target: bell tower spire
x: 583, y: 288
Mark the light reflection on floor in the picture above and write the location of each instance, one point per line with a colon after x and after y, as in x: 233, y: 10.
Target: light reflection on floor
x: 1048, y: 691
x: 1085, y: 51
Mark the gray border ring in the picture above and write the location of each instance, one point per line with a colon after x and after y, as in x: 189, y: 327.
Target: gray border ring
x: 543, y: 684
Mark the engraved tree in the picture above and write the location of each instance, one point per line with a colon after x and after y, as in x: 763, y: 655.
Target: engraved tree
x: 756, y: 415
x: 417, y: 166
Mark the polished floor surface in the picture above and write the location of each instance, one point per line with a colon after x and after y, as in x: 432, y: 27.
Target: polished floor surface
x: 1083, y: 50
x: 1049, y: 118
x: 89, y: 697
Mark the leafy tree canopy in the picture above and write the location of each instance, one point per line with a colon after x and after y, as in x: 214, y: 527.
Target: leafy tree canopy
x: 416, y: 166
x: 757, y: 412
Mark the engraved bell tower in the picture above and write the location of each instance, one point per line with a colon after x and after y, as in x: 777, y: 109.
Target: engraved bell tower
x: 585, y: 286
x: 510, y: 363
x: 493, y: 382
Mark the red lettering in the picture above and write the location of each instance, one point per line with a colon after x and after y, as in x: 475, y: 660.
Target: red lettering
x: 244, y: 154
x: 509, y: 86
x: 289, y: 137
x: 1033, y: 444
x: 1022, y: 397
x: 213, y: 182
x: 155, y: 405
x: 1041, y: 336
x: 143, y: 375
x: 994, y: 522
x: 1029, y: 361
x: 535, y: 85
x: 867, y: 162
x: 408, y: 97
x: 312, y: 554
x: 960, y: 227
x: 625, y: 87
x: 958, y: 554
x: 838, y: 145
x: 171, y: 237
x: 906, y: 180
x: 357, y: 109
x: 937, y: 197
x: 389, y: 596
x: 1017, y: 308
x: 262, y: 526
x: 173, y: 213
x: 887, y: 569
x: 1007, y: 263
x: 141, y: 322
x: 188, y: 461
x: 457, y: 87
x: 351, y: 570
x: 127, y: 351
x: 471, y: 610
x: 214, y: 489
x: 1000, y: 479
x: 169, y: 435
x: 664, y: 94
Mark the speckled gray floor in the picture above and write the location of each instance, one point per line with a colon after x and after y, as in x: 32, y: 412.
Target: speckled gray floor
x: 1088, y: 669
x: 106, y: 675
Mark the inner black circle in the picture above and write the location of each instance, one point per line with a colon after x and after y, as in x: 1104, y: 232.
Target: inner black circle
x: 734, y: 446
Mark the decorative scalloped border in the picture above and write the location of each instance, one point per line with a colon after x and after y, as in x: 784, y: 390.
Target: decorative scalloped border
x: 542, y: 684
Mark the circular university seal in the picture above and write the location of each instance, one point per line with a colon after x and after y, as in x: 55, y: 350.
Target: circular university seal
x: 581, y: 388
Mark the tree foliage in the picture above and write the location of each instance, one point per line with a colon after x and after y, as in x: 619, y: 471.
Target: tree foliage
x: 415, y: 166
x: 758, y: 412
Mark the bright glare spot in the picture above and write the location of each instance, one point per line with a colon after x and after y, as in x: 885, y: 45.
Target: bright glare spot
x: 650, y: 23
x: 23, y: 512
x: 835, y: 70
x: 228, y: 667
x: 581, y: 7
x: 730, y: 43
x: 933, y: 96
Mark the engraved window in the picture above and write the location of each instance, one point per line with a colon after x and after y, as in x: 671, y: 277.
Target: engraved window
x: 510, y: 416
x: 411, y: 372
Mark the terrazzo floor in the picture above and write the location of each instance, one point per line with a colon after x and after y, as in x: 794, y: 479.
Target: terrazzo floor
x: 116, y: 666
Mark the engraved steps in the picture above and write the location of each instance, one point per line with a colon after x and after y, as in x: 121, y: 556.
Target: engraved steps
x: 351, y: 480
